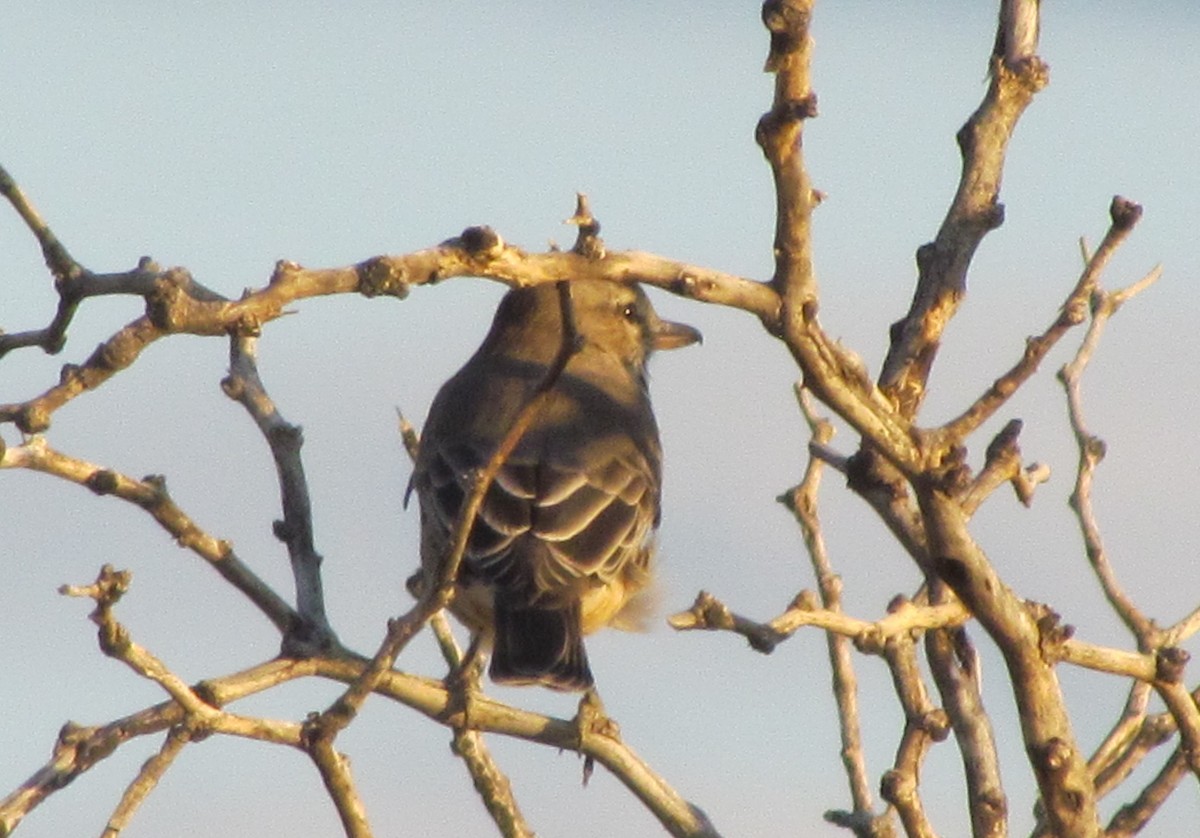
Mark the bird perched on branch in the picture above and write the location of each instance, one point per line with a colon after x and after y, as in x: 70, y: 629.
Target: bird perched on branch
x: 562, y: 543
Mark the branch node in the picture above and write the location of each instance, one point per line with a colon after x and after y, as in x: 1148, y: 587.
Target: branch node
x: 1096, y: 449
x: 788, y: 24
x: 1169, y: 664
x: 1124, y: 213
x: 992, y: 217
x: 69, y: 375
x: 936, y: 723
x: 481, y: 241
x: 380, y: 276
x: 32, y: 418
x: 1055, y: 755
x: 102, y: 481
x: 707, y: 612
x: 588, y: 242
x: 1052, y: 632
x: 782, y: 115
x: 806, y: 600
x: 897, y: 787
x: 282, y: 530
x: 157, y: 484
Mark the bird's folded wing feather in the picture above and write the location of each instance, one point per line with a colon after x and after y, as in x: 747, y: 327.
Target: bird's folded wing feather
x: 544, y: 525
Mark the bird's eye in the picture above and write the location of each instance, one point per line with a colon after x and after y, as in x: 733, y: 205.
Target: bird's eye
x: 629, y: 311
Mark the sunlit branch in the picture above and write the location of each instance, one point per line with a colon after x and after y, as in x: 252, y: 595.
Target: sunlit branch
x: 150, y: 494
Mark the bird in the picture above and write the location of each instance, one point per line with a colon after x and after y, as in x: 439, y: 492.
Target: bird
x: 563, y: 542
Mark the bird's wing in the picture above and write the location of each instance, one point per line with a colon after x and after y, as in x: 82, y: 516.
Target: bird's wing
x: 545, y: 528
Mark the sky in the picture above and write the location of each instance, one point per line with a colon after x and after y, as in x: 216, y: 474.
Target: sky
x: 223, y: 137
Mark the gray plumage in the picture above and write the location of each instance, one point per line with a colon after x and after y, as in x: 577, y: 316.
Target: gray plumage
x: 562, y: 544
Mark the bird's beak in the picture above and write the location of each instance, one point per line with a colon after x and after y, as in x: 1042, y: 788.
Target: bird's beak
x: 668, y: 335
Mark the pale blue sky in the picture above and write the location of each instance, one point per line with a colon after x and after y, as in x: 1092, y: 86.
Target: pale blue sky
x: 223, y: 138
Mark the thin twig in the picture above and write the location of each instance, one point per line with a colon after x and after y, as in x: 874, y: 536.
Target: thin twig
x: 202, y: 717
x: 199, y: 715
x: 1105, y: 763
x: 1130, y: 819
x: 954, y: 664
x: 334, y: 769
x: 1124, y: 216
x: 312, y: 632
x: 1003, y: 465
x: 494, y: 788
x: 710, y: 614
x: 151, y: 495
x: 1091, y: 452
x: 146, y: 780
x: 924, y: 724
x: 803, y: 500
x: 109, y: 358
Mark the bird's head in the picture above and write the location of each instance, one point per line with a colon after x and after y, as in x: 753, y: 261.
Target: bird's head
x: 613, y: 318
x: 619, y: 320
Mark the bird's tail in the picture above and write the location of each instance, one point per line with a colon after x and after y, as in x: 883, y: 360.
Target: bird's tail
x: 539, y: 646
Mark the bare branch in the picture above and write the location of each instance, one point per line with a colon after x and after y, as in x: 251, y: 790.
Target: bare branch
x: 311, y: 632
x: 834, y: 375
x: 802, y: 500
x: 203, y: 717
x: 1017, y: 32
x: 1104, y: 659
x: 199, y: 714
x: 176, y: 303
x: 151, y: 495
x: 1180, y: 703
x: 779, y: 135
x: 711, y: 614
x: 80, y: 748
x: 1111, y: 762
x: 494, y: 788
x: 1091, y: 452
x: 924, y: 724
x: 1184, y: 629
x: 110, y: 357
x: 1125, y: 215
x: 76, y: 750
x: 435, y: 700
x: 490, y: 782
x: 942, y: 264
x: 63, y: 267
x: 335, y: 774
x: 1063, y: 779
x: 1003, y: 465
x: 954, y: 664
x: 1130, y: 819
x: 146, y: 781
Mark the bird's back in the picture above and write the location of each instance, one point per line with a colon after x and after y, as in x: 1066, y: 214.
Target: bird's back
x: 561, y: 543
x: 574, y: 502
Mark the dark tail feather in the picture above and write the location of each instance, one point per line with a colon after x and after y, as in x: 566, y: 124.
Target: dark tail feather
x: 539, y: 646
